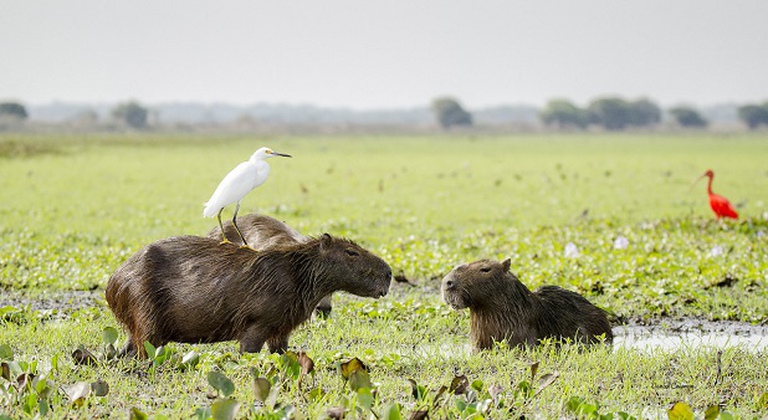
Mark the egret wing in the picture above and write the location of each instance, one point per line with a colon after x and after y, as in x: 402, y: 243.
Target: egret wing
x: 231, y: 189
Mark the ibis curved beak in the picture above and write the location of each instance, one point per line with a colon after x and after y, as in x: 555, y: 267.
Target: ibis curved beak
x: 696, y: 182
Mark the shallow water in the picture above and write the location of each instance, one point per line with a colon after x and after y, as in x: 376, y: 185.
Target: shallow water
x: 691, y: 333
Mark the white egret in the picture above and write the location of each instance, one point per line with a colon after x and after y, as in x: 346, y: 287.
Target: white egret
x: 239, y: 182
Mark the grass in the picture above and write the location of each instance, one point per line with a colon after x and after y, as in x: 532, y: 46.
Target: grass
x: 72, y: 209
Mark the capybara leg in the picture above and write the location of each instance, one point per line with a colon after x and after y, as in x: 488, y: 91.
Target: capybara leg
x: 129, y: 349
x: 278, y: 344
x: 253, y: 340
x: 323, y: 309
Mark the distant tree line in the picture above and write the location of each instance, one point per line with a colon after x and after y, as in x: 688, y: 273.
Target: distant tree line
x: 610, y: 113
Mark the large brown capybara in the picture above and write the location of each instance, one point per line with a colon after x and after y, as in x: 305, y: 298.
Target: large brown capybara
x: 502, y: 308
x: 194, y: 290
x: 264, y: 232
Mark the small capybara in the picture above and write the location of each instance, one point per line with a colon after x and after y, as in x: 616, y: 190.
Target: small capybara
x: 195, y: 290
x: 263, y: 232
x: 501, y: 307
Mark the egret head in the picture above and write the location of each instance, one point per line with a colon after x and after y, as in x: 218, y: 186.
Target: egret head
x: 266, y: 152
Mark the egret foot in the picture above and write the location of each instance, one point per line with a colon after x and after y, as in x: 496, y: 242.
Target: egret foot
x: 248, y: 247
x: 226, y: 241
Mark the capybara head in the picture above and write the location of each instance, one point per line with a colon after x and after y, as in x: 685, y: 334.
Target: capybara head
x: 473, y: 284
x: 353, y: 268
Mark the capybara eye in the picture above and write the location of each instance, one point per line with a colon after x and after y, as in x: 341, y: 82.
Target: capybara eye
x: 486, y: 269
x: 352, y: 253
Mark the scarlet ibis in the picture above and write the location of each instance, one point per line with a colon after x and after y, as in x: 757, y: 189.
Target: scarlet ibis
x: 719, y: 204
x: 236, y: 184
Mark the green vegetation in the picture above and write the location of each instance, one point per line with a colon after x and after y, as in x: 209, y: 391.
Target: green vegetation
x: 72, y: 209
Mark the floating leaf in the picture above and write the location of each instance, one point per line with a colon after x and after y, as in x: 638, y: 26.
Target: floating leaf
x: 24, y: 379
x: 360, y: 379
x: 418, y: 391
x: 762, y: 402
x: 261, y: 388
x: 137, y: 414
x: 306, y: 363
x: 365, y: 397
x: 459, y: 385
x: 419, y: 415
x: 100, y: 388
x: 6, y: 353
x: 150, y: 349
x: 290, y: 362
x: 221, y: 383
x: 10, y: 369
x: 336, y: 413
x: 352, y: 366
x: 190, y: 360
x: 83, y: 356
x: 203, y: 413
x: 439, y: 395
x: 78, y: 392
x: 316, y: 393
x: 680, y: 411
x: 477, y: 385
x: 712, y: 412
x: 390, y: 412
x: 224, y: 409
x: 495, y: 391
x: 547, y: 380
x: 534, y: 370
x: 109, y: 335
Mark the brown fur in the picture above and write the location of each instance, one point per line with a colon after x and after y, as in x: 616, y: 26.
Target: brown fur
x: 502, y: 308
x: 264, y: 232
x: 195, y: 290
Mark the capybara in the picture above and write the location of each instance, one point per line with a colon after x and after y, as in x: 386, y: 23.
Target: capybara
x: 502, y: 308
x: 195, y: 290
x: 262, y: 232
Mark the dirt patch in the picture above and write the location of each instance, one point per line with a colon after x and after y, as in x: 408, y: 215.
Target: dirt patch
x: 54, y: 301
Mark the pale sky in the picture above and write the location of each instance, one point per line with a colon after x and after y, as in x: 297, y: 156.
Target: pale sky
x: 383, y: 54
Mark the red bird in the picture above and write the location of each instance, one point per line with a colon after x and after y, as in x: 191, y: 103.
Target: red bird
x: 720, y: 205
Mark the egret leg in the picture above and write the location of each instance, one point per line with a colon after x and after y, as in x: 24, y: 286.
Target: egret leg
x: 224, y: 239
x: 234, y: 222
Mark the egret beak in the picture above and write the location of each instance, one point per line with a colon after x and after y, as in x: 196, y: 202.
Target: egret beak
x: 280, y: 154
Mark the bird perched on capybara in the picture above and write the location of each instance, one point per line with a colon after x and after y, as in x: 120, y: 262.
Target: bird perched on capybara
x: 194, y: 290
x: 263, y: 232
x: 502, y: 308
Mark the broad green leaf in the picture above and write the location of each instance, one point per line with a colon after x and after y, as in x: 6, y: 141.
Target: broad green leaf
x: 390, y: 412
x: 221, y: 383
x: 190, y: 360
x: 365, y: 398
x: 109, y: 335
x: 712, y: 412
x: 459, y: 385
x: 680, y: 411
x: 100, y: 388
x: 224, y: 409
x: 137, y: 414
x: 6, y: 353
x: 359, y: 379
x: 261, y: 388
x: 78, y: 392
x: 352, y: 366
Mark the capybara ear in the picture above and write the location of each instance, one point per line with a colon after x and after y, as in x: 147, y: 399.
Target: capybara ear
x: 505, y: 265
x: 326, y: 240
